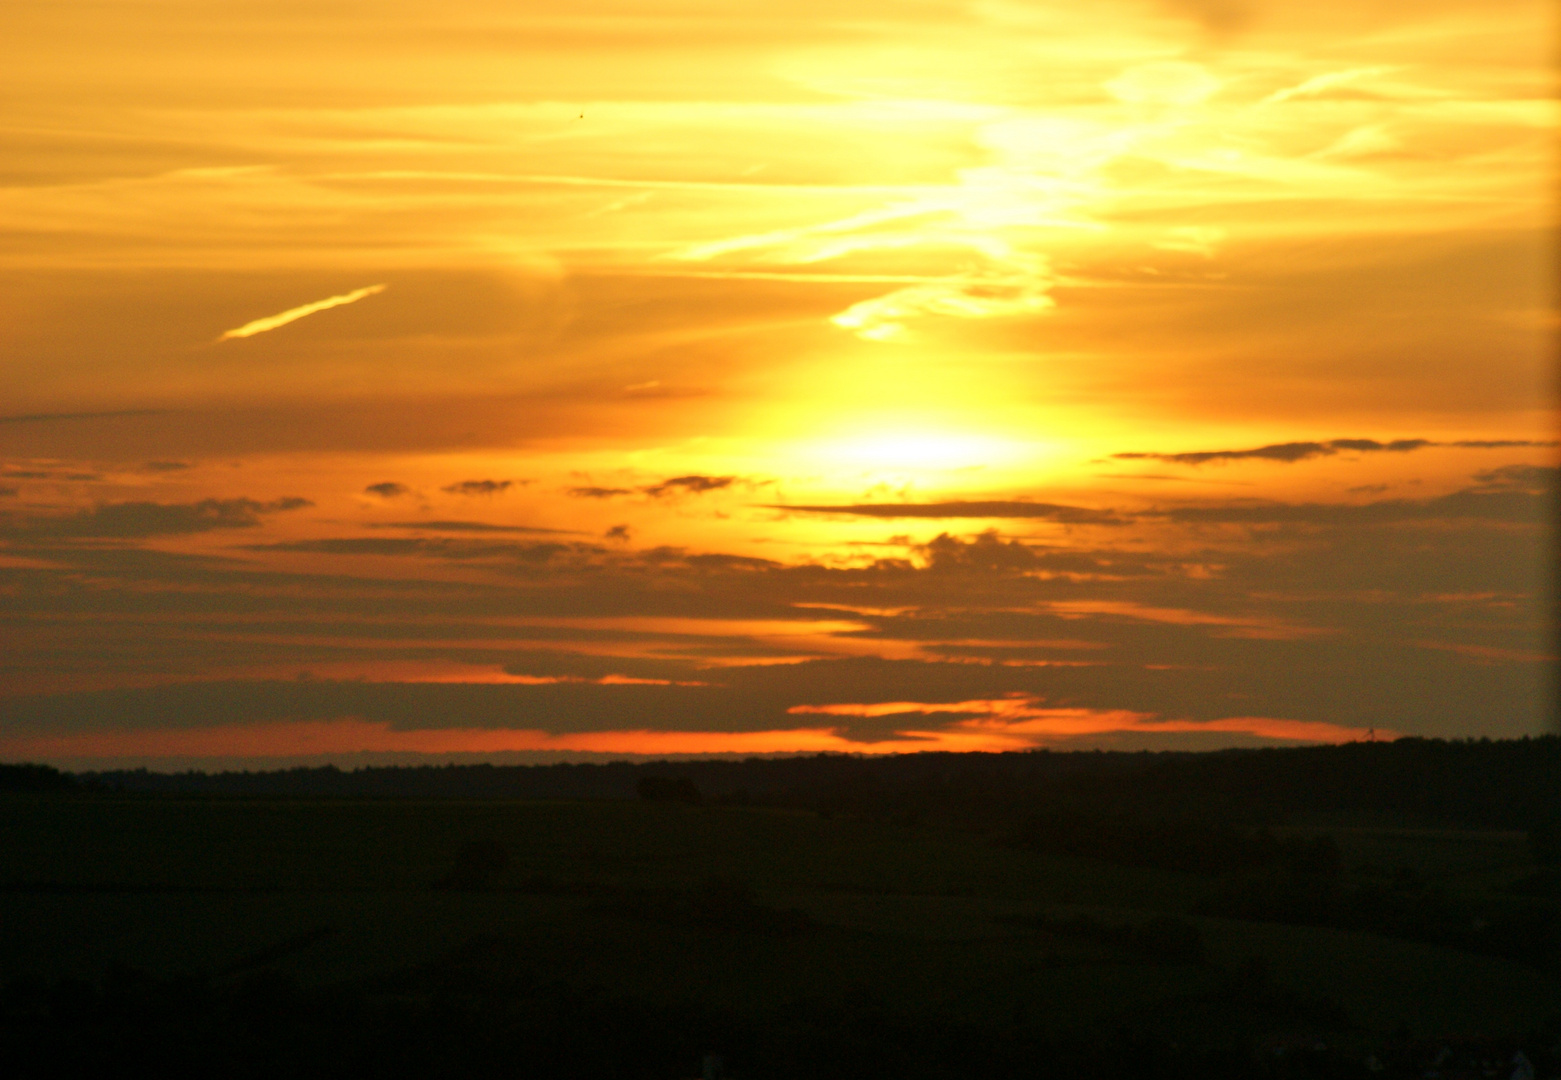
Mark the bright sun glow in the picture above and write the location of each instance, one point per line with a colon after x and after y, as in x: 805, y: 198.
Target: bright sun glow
x: 919, y: 450
x: 622, y: 375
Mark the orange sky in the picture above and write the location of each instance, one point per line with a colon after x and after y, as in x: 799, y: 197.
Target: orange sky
x: 657, y: 378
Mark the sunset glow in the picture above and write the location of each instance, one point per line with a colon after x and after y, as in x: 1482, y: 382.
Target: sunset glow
x: 654, y: 380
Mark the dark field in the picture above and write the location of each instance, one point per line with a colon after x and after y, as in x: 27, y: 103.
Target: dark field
x: 618, y: 937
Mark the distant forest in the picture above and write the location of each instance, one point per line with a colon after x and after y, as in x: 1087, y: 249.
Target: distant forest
x: 1483, y: 784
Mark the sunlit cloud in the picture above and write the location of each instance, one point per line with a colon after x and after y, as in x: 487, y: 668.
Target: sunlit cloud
x: 1006, y: 508
x: 1027, y: 721
x: 1291, y: 452
x: 479, y: 487
x: 272, y: 322
x: 1325, y: 81
x: 1169, y: 82
x: 349, y: 736
x: 994, y: 729
x: 1017, y: 285
x: 996, y: 277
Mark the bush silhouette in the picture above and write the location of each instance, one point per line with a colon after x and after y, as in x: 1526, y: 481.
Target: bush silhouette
x: 29, y: 777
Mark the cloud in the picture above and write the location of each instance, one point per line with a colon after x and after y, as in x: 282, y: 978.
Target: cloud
x: 165, y: 466
x: 1325, y: 627
x: 272, y: 322
x: 989, y: 552
x: 462, y: 526
x: 595, y: 700
x: 49, y: 474
x: 129, y: 520
x: 1015, y: 284
x: 1218, y: 17
x: 1302, y: 451
x: 1493, y: 444
x: 676, y: 485
x: 388, y: 489
x: 1515, y: 502
x: 1318, y: 83
x: 656, y: 390
x: 1022, y: 716
x: 438, y: 547
x: 1001, y: 508
x: 1531, y: 478
x: 36, y: 418
x: 689, y: 485
x: 478, y: 487
x: 8, y: 492
x: 996, y: 277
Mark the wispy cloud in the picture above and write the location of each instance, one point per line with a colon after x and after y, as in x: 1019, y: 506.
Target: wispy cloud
x: 1302, y: 451
x: 1319, y: 83
x: 130, y: 520
x: 34, y: 418
x: 690, y: 485
x: 479, y: 487
x: 997, y: 277
x: 1017, y: 283
x: 675, y: 485
x: 272, y: 322
x: 998, y: 508
x: 1027, y: 720
x: 460, y: 526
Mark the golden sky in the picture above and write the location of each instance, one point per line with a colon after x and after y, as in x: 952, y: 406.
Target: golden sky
x: 394, y: 380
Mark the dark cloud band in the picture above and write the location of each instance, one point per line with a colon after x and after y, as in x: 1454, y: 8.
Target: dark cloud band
x: 1291, y: 452
x: 1001, y: 508
x: 132, y: 520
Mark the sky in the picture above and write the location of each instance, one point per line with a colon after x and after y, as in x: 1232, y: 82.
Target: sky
x: 521, y: 382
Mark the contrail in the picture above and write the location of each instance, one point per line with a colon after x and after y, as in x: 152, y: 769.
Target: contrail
x: 271, y: 322
x: 31, y: 418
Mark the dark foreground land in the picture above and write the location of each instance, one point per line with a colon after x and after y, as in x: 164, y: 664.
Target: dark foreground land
x: 1370, y: 910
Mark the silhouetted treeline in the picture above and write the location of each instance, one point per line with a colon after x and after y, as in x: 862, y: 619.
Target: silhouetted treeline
x: 1503, y: 784
x: 35, y: 778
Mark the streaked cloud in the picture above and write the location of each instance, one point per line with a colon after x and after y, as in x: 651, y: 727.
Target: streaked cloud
x: 689, y: 485
x: 993, y: 508
x: 272, y: 322
x: 1024, y: 722
x: 1305, y: 451
x: 1015, y: 284
x: 810, y: 342
x: 109, y: 414
x: 1325, y: 81
x: 479, y: 487
x: 1524, y: 496
x: 460, y: 526
x: 142, y: 519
